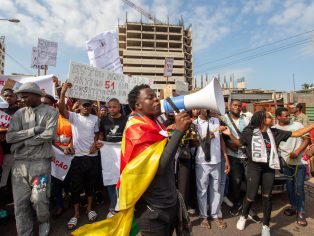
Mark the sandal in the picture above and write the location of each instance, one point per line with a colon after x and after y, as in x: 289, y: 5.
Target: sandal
x: 205, y: 224
x: 92, y: 215
x: 72, y: 223
x: 220, y: 223
x: 290, y: 212
x: 301, y: 220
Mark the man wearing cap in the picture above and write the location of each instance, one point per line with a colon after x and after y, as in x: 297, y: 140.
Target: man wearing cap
x: 31, y: 132
x: 84, y: 169
x: 245, y: 112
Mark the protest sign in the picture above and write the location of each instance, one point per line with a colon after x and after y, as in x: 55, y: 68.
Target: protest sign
x: 167, y: 91
x: 110, y: 162
x: 4, y: 119
x: 168, y: 66
x: 34, y: 63
x: 44, y: 82
x: 100, y: 85
x: 103, y: 52
x: 47, y: 52
x: 60, y: 164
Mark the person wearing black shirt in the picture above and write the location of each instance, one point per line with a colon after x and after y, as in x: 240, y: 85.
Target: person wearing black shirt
x: 112, y: 125
x: 156, y: 210
x: 261, y: 143
x: 111, y: 129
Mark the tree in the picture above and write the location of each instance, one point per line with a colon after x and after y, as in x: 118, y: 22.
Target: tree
x: 306, y: 86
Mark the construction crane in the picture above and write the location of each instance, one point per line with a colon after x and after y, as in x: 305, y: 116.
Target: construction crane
x: 142, y: 11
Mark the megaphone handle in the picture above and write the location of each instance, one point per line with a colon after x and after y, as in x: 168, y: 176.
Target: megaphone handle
x: 173, y: 106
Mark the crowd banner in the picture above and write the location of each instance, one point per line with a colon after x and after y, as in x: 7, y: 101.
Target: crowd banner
x: 60, y: 164
x: 4, y: 119
x: 110, y: 162
x: 97, y: 84
x: 44, y: 82
x: 103, y: 52
x: 47, y: 52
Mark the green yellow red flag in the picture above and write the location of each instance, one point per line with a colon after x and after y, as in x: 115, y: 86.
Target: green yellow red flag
x: 142, y: 145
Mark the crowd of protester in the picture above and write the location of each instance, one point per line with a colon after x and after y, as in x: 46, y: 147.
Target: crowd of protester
x: 209, y: 159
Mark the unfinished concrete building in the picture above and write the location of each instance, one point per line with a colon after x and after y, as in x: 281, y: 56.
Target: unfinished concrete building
x: 143, y: 48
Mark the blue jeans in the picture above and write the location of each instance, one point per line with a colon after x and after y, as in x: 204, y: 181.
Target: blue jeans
x: 295, y: 186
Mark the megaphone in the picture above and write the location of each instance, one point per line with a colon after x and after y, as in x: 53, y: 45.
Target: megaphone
x: 210, y: 98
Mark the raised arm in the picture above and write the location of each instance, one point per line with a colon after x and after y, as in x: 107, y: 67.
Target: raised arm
x: 63, y: 111
x: 300, y: 132
x: 236, y: 141
x: 183, y: 121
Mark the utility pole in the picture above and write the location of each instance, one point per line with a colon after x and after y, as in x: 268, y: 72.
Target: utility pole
x: 293, y: 82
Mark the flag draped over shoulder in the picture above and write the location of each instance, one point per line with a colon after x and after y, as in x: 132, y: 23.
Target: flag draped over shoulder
x: 142, y: 145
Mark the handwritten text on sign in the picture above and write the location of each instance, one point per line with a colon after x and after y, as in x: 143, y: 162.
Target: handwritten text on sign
x: 4, y: 119
x: 60, y: 164
x: 100, y: 85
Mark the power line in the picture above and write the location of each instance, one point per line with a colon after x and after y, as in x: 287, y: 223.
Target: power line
x: 248, y: 58
x: 17, y: 62
x: 249, y: 50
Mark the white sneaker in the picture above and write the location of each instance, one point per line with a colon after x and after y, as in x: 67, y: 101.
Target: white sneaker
x: 191, y: 211
x: 227, y: 202
x: 241, y: 223
x: 265, y: 231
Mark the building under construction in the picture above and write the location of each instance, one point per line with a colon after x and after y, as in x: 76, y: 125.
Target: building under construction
x: 143, y: 48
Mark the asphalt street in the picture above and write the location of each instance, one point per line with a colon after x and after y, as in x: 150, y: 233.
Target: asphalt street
x: 280, y: 224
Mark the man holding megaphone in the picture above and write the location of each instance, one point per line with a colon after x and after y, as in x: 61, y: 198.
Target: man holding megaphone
x: 147, y: 180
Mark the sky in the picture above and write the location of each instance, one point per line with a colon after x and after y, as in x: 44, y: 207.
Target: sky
x: 266, y: 41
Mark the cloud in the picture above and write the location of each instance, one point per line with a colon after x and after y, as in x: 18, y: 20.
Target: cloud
x: 72, y: 22
x: 257, y: 6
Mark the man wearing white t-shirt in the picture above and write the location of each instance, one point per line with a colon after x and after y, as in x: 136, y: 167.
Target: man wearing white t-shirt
x: 83, y: 170
x: 291, y: 151
x: 209, y: 169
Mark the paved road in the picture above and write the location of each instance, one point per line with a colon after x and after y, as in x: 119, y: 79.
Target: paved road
x: 280, y: 224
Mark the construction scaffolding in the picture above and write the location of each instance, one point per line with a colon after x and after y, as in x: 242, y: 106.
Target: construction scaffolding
x: 143, y: 48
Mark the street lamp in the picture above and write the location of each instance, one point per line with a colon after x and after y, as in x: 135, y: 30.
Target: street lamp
x: 12, y: 20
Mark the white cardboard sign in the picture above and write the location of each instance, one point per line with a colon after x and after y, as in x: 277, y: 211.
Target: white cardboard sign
x: 168, y: 66
x: 103, y: 52
x: 34, y: 63
x: 100, y: 85
x: 47, y: 52
x: 110, y: 162
x: 44, y: 82
x: 60, y: 164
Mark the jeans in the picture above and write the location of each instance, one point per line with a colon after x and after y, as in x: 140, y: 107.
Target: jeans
x: 259, y: 173
x: 31, y: 185
x: 295, y: 186
x: 208, y: 182
x: 110, y: 190
x: 236, y: 176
